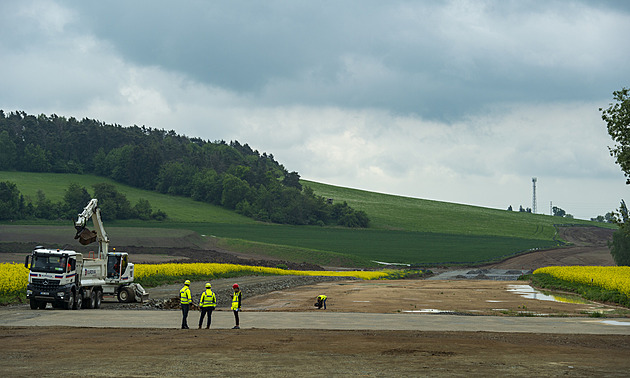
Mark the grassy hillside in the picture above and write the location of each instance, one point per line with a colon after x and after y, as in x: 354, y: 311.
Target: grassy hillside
x: 403, y: 229
x: 179, y: 209
x: 412, y: 214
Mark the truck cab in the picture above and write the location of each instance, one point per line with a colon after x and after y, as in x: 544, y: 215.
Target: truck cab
x: 54, y: 277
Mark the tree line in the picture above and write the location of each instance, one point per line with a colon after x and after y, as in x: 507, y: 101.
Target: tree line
x: 113, y: 204
x: 231, y: 175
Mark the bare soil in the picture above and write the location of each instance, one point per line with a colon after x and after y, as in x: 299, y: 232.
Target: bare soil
x: 469, y: 297
x: 46, y: 351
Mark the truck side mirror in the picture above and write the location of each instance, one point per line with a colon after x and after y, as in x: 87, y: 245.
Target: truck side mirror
x: 26, y: 261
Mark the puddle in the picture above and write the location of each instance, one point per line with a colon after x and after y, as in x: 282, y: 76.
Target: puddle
x: 529, y: 292
x: 492, y: 301
x: 428, y: 311
x: 616, y: 322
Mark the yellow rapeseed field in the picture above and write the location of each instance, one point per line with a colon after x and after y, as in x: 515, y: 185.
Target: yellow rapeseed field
x: 607, y: 277
x: 14, y: 277
x: 211, y: 269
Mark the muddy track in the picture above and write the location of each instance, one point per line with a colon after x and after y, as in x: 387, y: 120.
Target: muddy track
x: 586, y: 246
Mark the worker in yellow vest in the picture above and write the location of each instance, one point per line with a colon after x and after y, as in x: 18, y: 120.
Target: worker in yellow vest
x: 321, y: 301
x: 207, y: 303
x: 185, y: 300
x: 236, y: 304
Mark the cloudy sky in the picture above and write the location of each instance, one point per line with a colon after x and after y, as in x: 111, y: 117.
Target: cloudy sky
x: 458, y: 101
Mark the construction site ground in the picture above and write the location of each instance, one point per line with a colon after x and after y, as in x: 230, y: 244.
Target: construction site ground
x: 444, y: 327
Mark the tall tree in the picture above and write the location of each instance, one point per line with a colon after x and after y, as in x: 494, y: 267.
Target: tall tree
x: 74, y: 200
x: 617, y: 118
x: 113, y: 204
x: 8, y: 151
x: 9, y: 200
x: 620, y: 245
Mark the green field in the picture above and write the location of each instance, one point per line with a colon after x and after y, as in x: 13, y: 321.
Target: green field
x: 403, y: 230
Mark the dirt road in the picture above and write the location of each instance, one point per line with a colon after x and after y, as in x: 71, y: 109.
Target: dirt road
x: 46, y: 351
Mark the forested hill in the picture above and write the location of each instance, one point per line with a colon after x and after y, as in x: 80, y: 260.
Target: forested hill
x: 230, y: 175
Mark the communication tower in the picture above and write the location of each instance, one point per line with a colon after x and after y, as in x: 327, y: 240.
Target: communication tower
x: 534, y: 179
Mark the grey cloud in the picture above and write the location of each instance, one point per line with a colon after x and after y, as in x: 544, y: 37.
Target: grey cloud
x: 435, y: 59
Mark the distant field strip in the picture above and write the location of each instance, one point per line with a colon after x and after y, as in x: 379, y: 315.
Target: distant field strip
x: 614, y: 278
x: 382, y: 245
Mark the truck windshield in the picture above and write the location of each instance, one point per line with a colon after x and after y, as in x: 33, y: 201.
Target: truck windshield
x: 48, y: 263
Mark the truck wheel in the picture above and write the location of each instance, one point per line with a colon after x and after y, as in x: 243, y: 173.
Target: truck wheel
x: 99, y: 298
x: 78, y: 302
x: 123, y: 295
x: 70, y: 304
x: 131, y: 294
x: 34, y: 304
x: 92, y: 301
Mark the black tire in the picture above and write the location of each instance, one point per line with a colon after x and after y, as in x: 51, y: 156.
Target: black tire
x: 131, y: 295
x: 92, y: 301
x: 78, y: 302
x: 99, y: 299
x: 34, y: 304
x: 70, y: 304
x: 42, y: 305
x: 123, y: 295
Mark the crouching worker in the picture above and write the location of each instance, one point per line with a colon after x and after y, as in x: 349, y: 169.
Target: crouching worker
x: 207, y: 303
x: 321, y: 301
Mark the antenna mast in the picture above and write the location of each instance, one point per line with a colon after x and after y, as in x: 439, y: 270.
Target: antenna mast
x: 534, y: 179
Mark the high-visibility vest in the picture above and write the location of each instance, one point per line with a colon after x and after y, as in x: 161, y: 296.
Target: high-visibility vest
x: 236, y: 300
x: 184, y: 295
x: 322, y: 297
x: 208, y: 299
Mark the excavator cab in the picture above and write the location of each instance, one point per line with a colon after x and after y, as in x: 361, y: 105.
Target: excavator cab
x: 117, y: 264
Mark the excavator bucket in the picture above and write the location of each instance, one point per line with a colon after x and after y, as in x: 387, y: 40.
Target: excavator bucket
x: 87, y: 237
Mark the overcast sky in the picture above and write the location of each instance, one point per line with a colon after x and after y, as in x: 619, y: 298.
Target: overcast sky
x: 458, y: 101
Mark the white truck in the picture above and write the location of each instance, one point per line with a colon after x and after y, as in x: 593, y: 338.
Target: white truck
x: 69, y: 280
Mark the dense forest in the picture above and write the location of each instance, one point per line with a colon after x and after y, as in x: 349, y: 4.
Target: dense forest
x: 230, y: 175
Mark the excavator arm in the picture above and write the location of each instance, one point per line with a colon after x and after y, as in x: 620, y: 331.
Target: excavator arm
x: 85, y: 236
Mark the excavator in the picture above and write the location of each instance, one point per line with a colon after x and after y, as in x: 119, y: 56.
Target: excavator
x: 119, y: 271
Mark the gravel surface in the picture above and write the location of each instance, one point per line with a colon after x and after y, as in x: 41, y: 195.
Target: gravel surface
x: 167, y: 296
